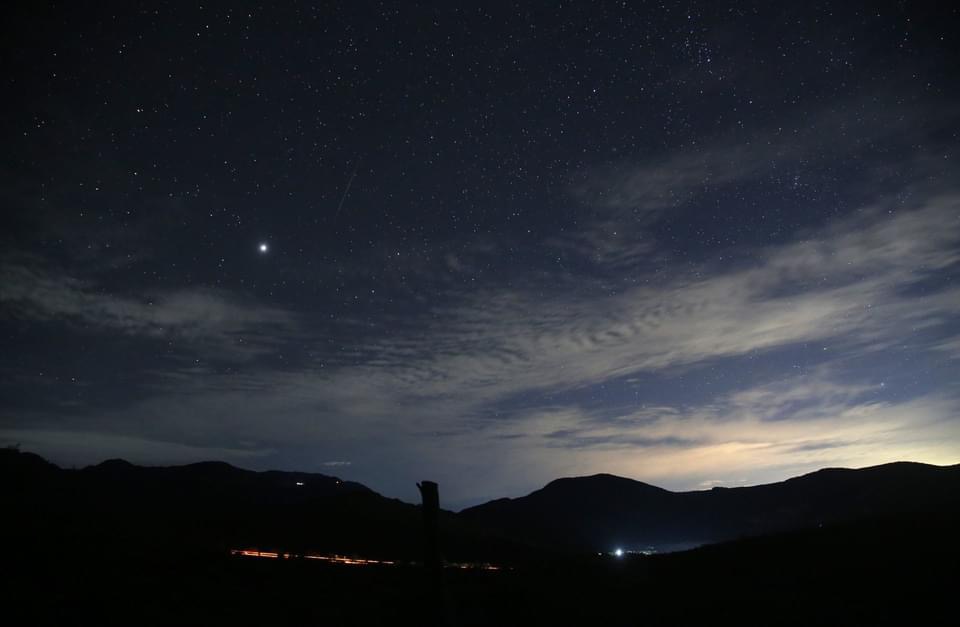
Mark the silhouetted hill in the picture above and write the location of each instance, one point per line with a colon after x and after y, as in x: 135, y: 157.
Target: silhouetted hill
x: 118, y: 544
x: 212, y: 507
x: 601, y: 512
x: 15, y: 463
x: 211, y: 484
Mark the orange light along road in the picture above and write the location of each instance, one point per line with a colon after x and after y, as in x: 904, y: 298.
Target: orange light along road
x: 350, y: 561
x: 336, y: 559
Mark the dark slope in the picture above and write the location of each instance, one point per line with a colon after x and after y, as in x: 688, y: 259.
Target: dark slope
x: 120, y: 544
x: 212, y: 483
x: 212, y: 507
x: 572, y: 512
x: 898, y: 570
x: 601, y: 512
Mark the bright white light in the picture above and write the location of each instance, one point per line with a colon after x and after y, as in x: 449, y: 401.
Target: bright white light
x: 263, y: 247
x: 299, y: 482
x: 618, y: 552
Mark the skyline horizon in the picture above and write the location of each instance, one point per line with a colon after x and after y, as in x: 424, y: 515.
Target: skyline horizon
x: 495, y: 244
x: 472, y: 502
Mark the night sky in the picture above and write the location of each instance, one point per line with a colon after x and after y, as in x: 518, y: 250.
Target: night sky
x: 486, y: 244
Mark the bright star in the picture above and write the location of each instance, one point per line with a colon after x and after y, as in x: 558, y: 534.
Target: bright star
x: 263, y: 247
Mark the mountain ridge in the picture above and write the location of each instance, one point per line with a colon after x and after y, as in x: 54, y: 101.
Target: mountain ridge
x: 598, y: 512
x: 216, y: 502
x: 819, y: 471
x: 553, y: 483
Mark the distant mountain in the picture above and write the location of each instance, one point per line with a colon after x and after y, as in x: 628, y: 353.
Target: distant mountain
x: 120, y: 507
x: 117, y: 543
x: 210, y: 507
x: 601, y: 512
x: 202, y: 486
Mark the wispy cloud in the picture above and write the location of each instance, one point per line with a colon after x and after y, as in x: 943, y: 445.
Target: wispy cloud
x: 643, y: 189
x: 216, y: 320
x: 461, y: 383
x: 848, y: 285
x: 732, y: 436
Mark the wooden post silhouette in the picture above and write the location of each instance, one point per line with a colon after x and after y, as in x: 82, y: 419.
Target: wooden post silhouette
x: 430, y: 495
x: 433, y: 602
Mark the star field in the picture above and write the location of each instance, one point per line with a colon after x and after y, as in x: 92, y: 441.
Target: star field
x: 687, y: 243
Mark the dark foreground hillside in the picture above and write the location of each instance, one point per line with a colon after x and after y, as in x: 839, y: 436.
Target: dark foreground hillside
x: 888, y: 572
x: 117, y: 544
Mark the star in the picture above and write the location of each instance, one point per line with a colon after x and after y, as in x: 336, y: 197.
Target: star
x: 264, y: 248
